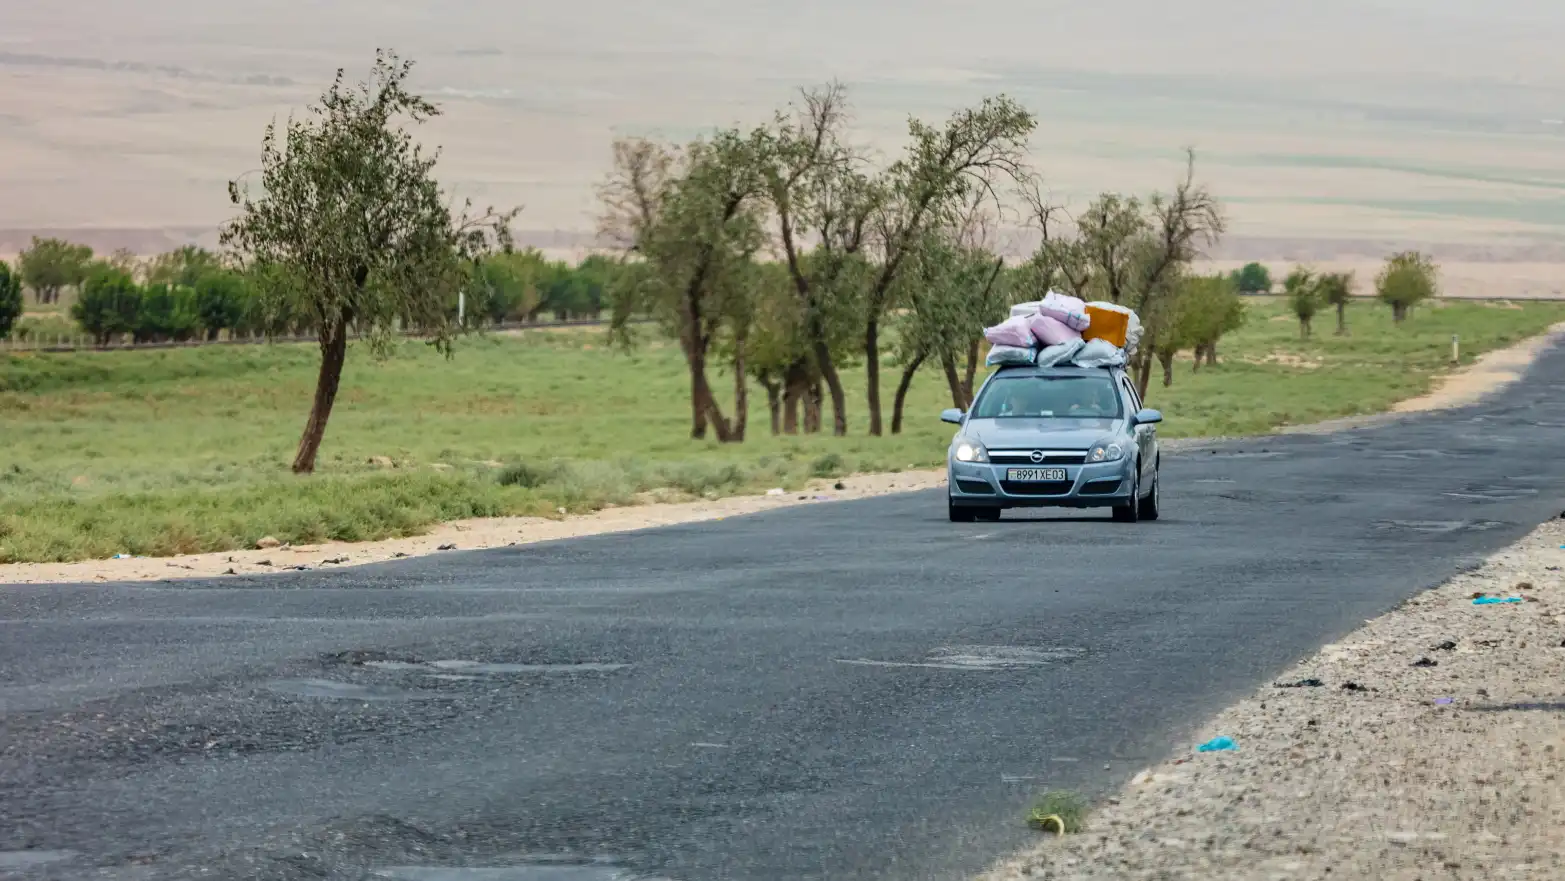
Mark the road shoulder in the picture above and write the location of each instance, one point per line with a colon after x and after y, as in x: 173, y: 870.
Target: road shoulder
x: 1431, y: 749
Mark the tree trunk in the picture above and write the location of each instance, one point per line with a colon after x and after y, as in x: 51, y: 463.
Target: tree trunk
x: 1143, y: 372
x: 1200, y: 350
x: 958, y: 399
x: 741, y: 398
x: 1304, y: 328
x: 839, y: 398
x: 812, y: 408
x: 872, y: 375
x: 902, y: 388
x: 796, y: 389
x: 1211, y: 354
x: 1398, y: 312
x: 334, y: 352
x: 972, y: 366
x: 773, y: 400
x: 698, y: 424
x: 1342, y: 319
x: 1167, y: 360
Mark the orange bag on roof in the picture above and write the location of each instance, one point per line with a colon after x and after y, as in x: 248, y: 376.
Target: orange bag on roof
x: 1109, y: 323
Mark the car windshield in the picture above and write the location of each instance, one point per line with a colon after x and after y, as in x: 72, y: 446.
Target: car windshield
x: 1030, y: 396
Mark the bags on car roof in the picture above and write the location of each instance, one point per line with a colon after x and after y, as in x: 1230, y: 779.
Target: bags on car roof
x: 1061, y: 329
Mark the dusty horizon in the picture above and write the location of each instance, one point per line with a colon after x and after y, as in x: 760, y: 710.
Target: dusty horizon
x: 1430, y: 127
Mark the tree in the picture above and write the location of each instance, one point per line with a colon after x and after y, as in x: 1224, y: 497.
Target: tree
x: 183, y: 266
x: 943, y: 173
x: 109, y: 305
x: 817, y: 191
x: 693, y: 217
x: 52, y: 264
x: 1210, y: 308
x: 11, y: 305
x: 167, y: 312
x: 220, y: 301
x: 1407, y: 279
x: 1253, y: 278
x: 1304, y: 297
x: 354, y: 229
x: 1336, y: 289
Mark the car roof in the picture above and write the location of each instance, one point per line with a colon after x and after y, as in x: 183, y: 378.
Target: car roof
x: 1055, y: 370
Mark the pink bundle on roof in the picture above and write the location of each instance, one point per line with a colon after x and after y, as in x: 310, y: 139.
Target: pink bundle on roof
x: 1051, y: 331
x: 1011, y: 332
x: 1069, y: 311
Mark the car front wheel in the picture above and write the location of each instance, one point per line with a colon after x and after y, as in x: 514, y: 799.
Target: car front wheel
x: 961, y: 515
x: 1148, y: 506
x: 1130, y: 512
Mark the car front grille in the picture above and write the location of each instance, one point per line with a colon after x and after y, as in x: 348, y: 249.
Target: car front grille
x: 1024, y: 457
x: 1039, y: 488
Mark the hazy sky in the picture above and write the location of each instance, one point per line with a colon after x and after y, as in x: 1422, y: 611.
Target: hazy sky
x: 134, y: 111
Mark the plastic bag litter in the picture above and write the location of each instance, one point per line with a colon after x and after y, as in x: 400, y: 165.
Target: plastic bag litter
x: 1051, y: 331
x: 1015, y: 331
x: 1011, y: 355
x: 1060, y: 354
x: 1022, y: 310
x: 1099, y: 353
x: 1068, y: 310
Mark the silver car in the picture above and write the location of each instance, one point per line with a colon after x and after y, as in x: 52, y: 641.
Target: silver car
x: 1039, y: 437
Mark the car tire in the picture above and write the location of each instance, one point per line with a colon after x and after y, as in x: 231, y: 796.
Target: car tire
x: 1149, y: 505
x: 1131, y: 511
x: 988, y: 515
x: 961, y: 515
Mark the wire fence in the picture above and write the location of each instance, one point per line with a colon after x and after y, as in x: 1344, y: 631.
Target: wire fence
x: 81, y: 342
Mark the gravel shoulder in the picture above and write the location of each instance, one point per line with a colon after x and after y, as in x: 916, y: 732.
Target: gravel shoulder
x: 1442, y: 760
x: 1489, y: 373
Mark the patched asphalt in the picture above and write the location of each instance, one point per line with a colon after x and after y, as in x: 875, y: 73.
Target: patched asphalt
x: 855, y: 690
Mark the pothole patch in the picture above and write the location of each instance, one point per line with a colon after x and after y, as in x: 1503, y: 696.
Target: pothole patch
x: 1492, y: 493
x: 538, y: 872
x: 327, y: 689
x: 982, y: 658
x: 465, y: 669
x: 1438, y: 526
x: 27, y: 859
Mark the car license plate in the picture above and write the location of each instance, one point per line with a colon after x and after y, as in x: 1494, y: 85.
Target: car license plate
x: 1034, y: 475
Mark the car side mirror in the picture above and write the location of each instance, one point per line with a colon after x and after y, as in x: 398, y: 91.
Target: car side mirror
x: 1148, y: 417
x: 953, y: 416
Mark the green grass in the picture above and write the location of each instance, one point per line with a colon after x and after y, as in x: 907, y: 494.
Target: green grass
x: 1061, y: 811
x: 184, y: 450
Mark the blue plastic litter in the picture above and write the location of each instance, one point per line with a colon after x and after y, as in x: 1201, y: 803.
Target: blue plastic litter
x: 1217, y: 744
x: 1489, y: 601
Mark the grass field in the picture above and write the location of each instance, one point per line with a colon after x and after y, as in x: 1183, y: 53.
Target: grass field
x: 187, y: 450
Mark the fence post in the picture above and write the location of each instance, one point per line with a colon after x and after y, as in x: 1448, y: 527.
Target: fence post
x: 1456, y: 351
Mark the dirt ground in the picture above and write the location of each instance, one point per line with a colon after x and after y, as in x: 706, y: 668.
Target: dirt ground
x: 1446, y: 765
x: 1489, y: 373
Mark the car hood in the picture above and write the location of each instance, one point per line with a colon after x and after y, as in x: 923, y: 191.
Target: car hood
x: 1040, y: 434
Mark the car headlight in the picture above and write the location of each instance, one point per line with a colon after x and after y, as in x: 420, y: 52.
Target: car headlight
x: 1105, y: 451
x: 971, y: 451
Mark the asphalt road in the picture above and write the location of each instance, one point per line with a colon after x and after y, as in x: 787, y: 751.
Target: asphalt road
x: 855, y: 690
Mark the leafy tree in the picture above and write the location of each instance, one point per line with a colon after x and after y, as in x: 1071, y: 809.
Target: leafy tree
x: 816, y: 192
x: 1336, y: 289
x: 1304, y: 297
x: 11, y: 305
x: 943, y: 172
x: 355, y: 229
x: 693, y: 218
x: 1211, y: 309
x: 50, y: 265
x: 1132, y: 253
x: 1252, y: 278
x: 506, y: 287
x: 167, y: 312
x: 109, y: 305
x: 183, y: 266
x: 221, y: 298
x: 1407, y: 279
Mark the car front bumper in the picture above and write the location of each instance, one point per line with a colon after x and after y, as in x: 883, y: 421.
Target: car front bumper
x: 982, y: 485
